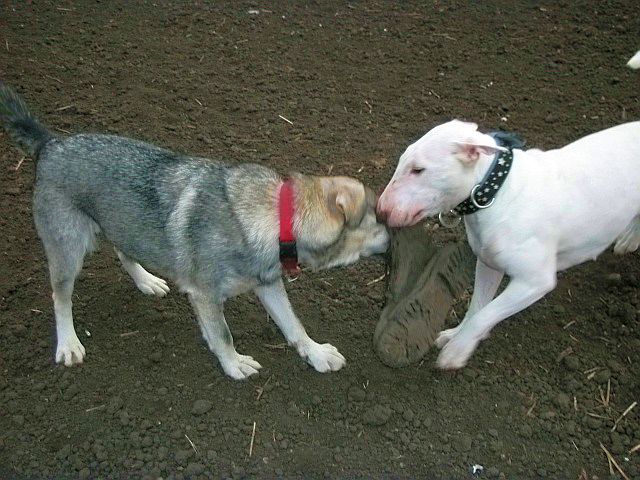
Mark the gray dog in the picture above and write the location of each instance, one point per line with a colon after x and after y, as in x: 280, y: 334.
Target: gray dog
x: 214, y: 230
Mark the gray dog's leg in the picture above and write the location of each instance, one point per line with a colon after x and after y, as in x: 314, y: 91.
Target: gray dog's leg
x: 67, y: 235
x: 325, y: 357
x: 147, y: 283
x: 216, y: 332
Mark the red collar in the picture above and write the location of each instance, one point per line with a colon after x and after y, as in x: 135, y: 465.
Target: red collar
x: 286, y: 208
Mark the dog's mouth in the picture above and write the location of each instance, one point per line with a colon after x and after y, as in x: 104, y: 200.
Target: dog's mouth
x: 419, y: 215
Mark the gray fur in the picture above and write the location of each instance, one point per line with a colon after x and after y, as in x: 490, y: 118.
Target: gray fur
x: 209, y: 227
x: 25, y: 130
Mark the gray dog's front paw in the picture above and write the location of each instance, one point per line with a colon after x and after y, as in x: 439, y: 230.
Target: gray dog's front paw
x: 240, y: 367
x: 323, y: 357
x: 70, y: 351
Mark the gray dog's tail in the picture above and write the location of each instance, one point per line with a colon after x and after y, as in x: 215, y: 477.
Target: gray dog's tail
x: 16, y: 119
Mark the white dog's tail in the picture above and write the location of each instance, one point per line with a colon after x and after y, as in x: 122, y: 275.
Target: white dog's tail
x: 635, y: 61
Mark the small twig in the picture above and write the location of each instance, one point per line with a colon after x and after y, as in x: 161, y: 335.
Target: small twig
x: 94, y: 408
x: 63, y: 130
x: 280, y: 346
x: 253, y: 434
x: 613, y: 461
x: 595, y: 415
x: 6, y: 44
x: 54, y: 78
x: 128, y: 334
x: 64, y: 9
x: 369, y: 105
x: 198, y: 101
x: 624, y: 414
x: 604, y: 399
x: 261, y: 389
x: 376, y: 280
x: 445, y: 35
x: 63, y: 108
x: 568, y: 324
x: 535, y: 401
x: 635, y: 449
x: 191, y: 443
x: 564, y: 353
x: 286, y: 119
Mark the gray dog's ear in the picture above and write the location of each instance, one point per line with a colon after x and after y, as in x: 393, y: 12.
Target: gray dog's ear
x: 345, y: 197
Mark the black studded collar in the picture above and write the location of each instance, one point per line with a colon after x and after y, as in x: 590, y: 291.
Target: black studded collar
x: 483, y: 194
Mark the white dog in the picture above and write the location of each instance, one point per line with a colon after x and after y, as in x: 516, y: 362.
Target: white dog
x: 555, y: 209
x: 635, y: 61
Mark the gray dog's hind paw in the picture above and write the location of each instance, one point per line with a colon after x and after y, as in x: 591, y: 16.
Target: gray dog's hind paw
x: 151, y: 285
x: 425, y: 281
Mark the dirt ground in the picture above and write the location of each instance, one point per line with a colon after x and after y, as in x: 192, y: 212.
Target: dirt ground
x: 358, y: 81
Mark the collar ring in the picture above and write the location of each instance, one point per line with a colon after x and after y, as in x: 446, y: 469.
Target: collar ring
x: 475, y: 202
x: 449, y: 223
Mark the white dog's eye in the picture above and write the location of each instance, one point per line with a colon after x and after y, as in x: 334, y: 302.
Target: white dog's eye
x: 416, y: 170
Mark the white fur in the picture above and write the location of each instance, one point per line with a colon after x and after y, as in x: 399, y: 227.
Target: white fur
x: 635, y: 61
x: 146, y: 282
x: 322, y: 357
x: 556, y: 209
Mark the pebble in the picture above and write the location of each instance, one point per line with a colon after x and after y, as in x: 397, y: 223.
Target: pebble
x: 493, y: 472
x: 115, y: 404
x: 572, y: 362
x: 201, y: 407
x: 162, y: 453
x: 408, y: 415
x: 377, y: 415
x: 614, y: 278
x: 559, y: 310
x: 602, y: 376
x: 562, y: 401
x: 71, y: 392
x: 182, y: 456
x: 464, y: 443
x: 356, y: 394
x: 194, y: 469
x: 526, y: 431
x: 155, y: 357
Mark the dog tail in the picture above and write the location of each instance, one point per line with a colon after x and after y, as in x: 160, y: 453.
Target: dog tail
x: 635, y: 61
x: 20, y: 124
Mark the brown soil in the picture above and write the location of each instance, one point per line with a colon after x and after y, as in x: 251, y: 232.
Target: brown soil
x: 358, y: 80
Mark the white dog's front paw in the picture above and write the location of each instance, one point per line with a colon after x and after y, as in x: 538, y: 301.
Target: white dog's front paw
x: 240, y: 367
x: 456, y: 353
x: 324, y: 358
x: 151, y: 285
x: 446, y: 335
x: 70, y: 351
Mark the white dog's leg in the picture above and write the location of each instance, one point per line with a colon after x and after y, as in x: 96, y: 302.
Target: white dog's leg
x: 629, y: 239
x: 521, y: 292
x: 487, y: 281
x: 147, y: 283
x: 322, y: 357
x: 217, y: 335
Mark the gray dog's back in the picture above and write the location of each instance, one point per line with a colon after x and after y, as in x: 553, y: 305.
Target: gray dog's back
x: 167, y: 211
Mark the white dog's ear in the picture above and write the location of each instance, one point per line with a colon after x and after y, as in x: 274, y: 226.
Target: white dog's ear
x: 469, y: 151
